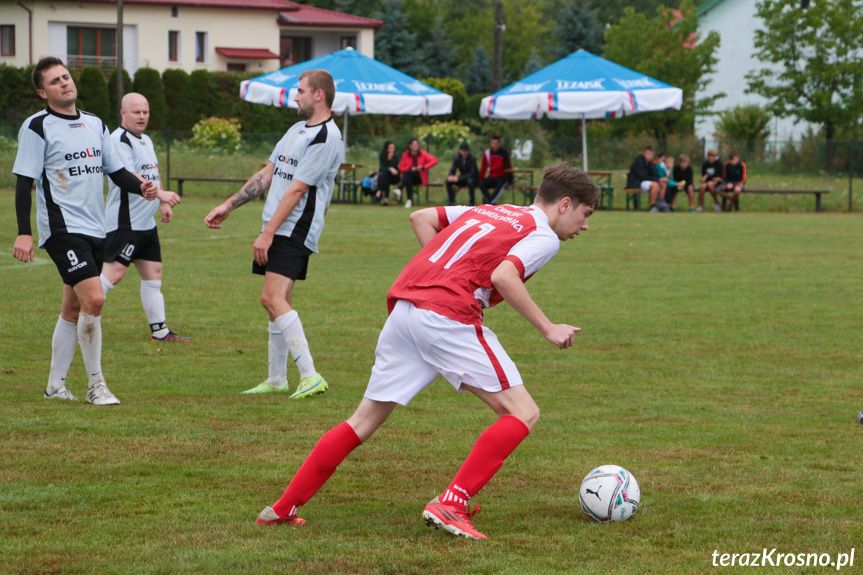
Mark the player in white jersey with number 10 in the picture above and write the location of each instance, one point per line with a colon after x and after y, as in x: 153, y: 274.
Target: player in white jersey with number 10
x: 300, y: 175
x: 132, y: 233
x: 472, y: 258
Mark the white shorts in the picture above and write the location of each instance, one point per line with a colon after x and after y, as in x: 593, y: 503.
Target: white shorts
x: 416, y: 345
x: 645, y: 186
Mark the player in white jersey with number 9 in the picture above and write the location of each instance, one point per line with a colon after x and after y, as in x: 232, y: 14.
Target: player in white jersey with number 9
x: 67, y: 152
x: 472, y: 258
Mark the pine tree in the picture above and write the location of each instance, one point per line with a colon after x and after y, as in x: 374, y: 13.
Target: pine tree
x: 478, y: 75
x: 395, y: 45
x: 148, y: 83
x: 534, y: 63
x: 440, y: 53
x: 93, y: 94
x: 577, y: 28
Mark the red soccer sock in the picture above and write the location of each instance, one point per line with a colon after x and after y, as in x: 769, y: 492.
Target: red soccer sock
x: 487, y: 456
x: 329, y: 452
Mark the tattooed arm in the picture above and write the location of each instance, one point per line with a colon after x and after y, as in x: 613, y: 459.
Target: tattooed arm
x: 252, y: 189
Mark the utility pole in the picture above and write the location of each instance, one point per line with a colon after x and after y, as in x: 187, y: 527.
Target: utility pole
x: 497, y: 56
x: 119, y: 42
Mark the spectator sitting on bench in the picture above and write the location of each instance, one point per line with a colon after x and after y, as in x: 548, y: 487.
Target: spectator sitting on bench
x: 642, y: 174
x: 414, y: 166
x: 465, y: 164
x: 388, y: 167
x: 498, y: 165
x: 735, y: 181
x: 663, y: 172
x: 682, y: 176
x: 712, y: 174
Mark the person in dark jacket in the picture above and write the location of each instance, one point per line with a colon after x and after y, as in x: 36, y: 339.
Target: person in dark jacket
x: 642, y: 174
x: 682, y: 176
x: 735, y: 180
x: 468, y: 175
x: 712, y: 174
x: 389, y: 173
x: 496, y: 171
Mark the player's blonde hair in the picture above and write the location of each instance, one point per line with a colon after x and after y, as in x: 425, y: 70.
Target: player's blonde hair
x: 320, y: 79
x: 562, y: 180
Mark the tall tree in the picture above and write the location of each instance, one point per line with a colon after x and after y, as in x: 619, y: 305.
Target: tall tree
x: 816, y: 57
x: 667, y: 49
x: 395, y: 44
x: 577, y: 28
x: 478, y: 74
x: 439, y: 52
x: 534, y: 63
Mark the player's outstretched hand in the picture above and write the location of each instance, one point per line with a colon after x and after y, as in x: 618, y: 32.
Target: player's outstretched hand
x: 216, y: 216
x: 149, y: 190
x: 261, y: 247
x: 23, y: 249
x: 562, y: 335
x: 167, y: 213
x: 169, y: 198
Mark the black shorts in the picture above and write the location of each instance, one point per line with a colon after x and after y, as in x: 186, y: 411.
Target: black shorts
x: 124, y: 245
x: 77, y: 257
x: 285, y: 258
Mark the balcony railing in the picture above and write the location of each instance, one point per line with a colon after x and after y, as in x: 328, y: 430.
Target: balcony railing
x: 104, y: 63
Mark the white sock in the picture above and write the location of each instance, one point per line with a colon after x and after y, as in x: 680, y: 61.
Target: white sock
x: 90, y: 340
x: 154, y: 306
x: 292, y: 331
x: 63, y: 346
x: 106, y: 285
x: 278, y: 357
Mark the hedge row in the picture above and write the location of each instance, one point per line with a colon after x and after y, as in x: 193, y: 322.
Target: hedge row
x: 178, y: 100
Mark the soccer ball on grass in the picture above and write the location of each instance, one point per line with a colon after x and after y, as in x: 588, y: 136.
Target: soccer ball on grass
x: 609, y: 493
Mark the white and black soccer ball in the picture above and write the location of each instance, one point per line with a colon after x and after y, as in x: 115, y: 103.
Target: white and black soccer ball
x: 609, y: 493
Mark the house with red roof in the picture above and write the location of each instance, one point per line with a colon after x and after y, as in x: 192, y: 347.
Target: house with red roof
x: 239, y: 35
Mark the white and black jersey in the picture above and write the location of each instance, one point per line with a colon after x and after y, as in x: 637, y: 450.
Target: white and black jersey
x: 311, y: 154
x: 66, y: 156
x: 131, y: 211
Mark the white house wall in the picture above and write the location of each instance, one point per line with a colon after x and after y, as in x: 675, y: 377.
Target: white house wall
x: 12, y: 14
x: 736, y: 23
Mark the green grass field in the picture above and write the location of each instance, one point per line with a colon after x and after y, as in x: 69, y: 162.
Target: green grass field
x: 720, y: 362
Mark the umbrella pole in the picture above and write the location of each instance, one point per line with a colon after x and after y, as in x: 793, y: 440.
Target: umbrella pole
x: 345, y: 140
x: 584, y: 142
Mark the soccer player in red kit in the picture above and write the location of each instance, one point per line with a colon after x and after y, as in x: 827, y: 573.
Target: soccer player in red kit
x: 471, y: 258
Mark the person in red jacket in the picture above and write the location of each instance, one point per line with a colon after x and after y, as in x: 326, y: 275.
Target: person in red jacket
x: 497, y: 166
x: 414, y: 168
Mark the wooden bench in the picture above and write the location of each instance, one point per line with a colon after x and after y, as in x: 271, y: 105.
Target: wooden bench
x: 634, y: 195
x: 227, y: 180
x: 817, y: 194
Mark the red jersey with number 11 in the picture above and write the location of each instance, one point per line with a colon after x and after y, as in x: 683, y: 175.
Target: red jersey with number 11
x: 451, y: 275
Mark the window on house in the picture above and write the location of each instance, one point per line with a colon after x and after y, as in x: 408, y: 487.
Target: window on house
x: 173, y: 46
x: 175, y: 11
x: 236, y: 67
x: 295, y: 50
x: 90, y: 46
x: 200, y: 46
x: 7, y: 40
x: 349, y: 42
